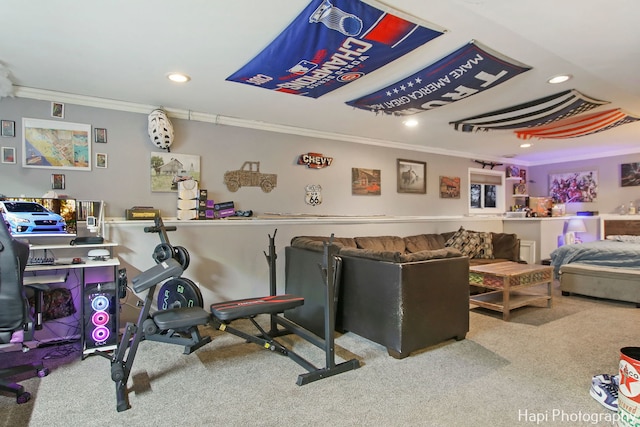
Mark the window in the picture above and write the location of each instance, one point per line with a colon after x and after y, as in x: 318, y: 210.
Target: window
x: 486, y: 191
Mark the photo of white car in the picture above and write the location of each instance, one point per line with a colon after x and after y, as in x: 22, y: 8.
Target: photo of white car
x: 31, y: 218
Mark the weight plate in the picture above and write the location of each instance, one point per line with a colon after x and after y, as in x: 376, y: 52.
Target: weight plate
x: 182, y: 256
x: 162, y: 252
x: 179, y: 292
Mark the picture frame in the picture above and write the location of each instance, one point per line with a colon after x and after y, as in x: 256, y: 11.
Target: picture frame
x: 57, y: 110
x: 57, y: 181
x: 574, y: 187
x: 100, y: 135
x: 630, y: 174
x: 449, y: 187
x: 8, y: 128
x: 48, y: 144
x: 366, y: 182
x: 101, y: 160
x: 8, y: 155
x: 167, y: 169
x: 411, y: 176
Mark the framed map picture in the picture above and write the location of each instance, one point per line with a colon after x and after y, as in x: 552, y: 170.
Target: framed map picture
x: 55, y: 145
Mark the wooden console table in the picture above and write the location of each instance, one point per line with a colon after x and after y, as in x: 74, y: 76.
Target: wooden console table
x: 507, y: 279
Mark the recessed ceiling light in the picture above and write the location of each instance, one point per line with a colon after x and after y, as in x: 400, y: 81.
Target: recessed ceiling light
x: 178, y: 77
x: 525, y: 145
x: 410, y: 123
x: 560, y: 78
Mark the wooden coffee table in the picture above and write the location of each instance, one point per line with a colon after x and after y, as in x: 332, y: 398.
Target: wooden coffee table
x: 507, y: 280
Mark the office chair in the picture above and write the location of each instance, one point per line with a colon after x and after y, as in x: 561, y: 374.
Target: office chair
x: 16, y: 324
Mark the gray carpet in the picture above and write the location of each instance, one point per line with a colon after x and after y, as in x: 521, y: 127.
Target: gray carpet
x: 503, y: 374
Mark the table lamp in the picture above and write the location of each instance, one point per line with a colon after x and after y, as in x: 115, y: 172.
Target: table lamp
x: 574, y: 226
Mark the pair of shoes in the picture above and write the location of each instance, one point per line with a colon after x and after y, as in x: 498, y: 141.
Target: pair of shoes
x: 604, y: 389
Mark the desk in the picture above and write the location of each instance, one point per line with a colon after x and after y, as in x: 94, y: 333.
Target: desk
x: 96, y: 295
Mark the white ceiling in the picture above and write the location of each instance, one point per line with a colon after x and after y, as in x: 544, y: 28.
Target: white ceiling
x: 122, y: 50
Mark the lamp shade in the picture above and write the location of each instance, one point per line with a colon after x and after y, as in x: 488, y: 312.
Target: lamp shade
x: 576, y: 225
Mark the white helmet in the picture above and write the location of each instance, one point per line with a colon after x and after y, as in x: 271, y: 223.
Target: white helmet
x: 160, y: 129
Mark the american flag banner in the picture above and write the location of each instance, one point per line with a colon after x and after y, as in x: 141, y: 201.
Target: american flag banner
x: 469, y: 70
x: 582, y: 125
x: 539, y: 112
x: 332, y: 43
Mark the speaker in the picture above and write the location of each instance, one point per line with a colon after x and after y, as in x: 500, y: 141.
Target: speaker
x: 100, y: 316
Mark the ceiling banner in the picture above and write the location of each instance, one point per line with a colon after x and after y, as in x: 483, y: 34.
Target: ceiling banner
x: 534, y: 113
x: 330, y: 44
x: 582, y: 125
x: 471, y: 69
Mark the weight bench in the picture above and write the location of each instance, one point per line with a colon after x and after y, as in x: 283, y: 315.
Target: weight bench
x: 175, y: 326
x: 179, y: 325
x: 224, y: 313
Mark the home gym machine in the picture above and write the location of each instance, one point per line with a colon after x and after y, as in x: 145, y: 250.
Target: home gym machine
x: 179, y: 324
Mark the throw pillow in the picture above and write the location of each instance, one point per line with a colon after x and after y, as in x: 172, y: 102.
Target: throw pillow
x: 466, y: 242
x: 485, y: 248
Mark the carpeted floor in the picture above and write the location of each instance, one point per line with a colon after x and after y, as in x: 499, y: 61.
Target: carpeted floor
x: 534, y: 370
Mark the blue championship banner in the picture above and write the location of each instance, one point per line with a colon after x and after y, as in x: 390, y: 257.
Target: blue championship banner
x: 465, y: 72
x: 330, y: 44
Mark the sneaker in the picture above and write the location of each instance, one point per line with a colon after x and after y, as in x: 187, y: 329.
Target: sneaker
x: 604, y: 389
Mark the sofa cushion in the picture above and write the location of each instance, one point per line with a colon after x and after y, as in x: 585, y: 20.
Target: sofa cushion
x: 391, y: 256
x: 465, y: 241
x: 381, y: 243
x: 424, y: 242
x: 316, y: 243
x: 506, y: 246
x: 430, y: 254
x: 485, y: 248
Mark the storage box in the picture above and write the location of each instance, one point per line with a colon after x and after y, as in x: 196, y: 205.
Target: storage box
x: 141, y: 213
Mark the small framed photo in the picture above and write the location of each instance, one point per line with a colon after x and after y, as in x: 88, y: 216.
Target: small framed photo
x: 100, y: 135
x: 8, y: 128
x: 57, y: 110
x: 57, y: 181
x: 412, y: 176
x: 101, y: 160
x: 8, y: 155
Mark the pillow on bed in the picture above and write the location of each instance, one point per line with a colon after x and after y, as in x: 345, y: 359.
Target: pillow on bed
x: 624, y: 238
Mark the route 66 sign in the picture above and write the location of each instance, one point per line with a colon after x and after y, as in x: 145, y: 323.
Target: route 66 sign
x: 313, y: 196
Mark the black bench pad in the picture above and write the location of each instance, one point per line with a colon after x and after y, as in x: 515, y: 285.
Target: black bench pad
x: 181, y: 317
x: 237, y: 309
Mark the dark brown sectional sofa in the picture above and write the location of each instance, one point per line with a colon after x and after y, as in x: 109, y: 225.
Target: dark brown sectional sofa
x: 405, y: 293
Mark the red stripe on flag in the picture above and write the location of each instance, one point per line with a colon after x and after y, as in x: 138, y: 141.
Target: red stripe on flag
x: 573, y: 127
x: 389, y: 30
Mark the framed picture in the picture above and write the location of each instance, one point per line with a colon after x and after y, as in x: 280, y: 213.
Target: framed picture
x: 8, y: 155
x: 167, y: 169
x: 49, y: 144
x: 8, y: 128
x: 101, y: 160
x: 449, y: 187
x: 629, y: 174
x: 365, y: 182
x: 57, y: 181
x: 100, y: 135
x: 412, y: 176
x: 57, y: 110
x: 574, y: 187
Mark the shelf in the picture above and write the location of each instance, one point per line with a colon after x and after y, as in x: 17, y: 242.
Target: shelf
x: 69, y: 246
x: 519, y: 195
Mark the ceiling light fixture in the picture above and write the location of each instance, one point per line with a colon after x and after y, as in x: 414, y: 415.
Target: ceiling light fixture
x: 560, y: 78
x: 410, y: 123
x: 178, y: 77
x: 525, y: 145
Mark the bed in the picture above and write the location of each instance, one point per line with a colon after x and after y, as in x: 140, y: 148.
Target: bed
x: 607, y: 268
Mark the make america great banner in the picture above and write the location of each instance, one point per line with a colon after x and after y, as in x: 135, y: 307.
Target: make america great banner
x: 469, y: 70
x: 330, y: 44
